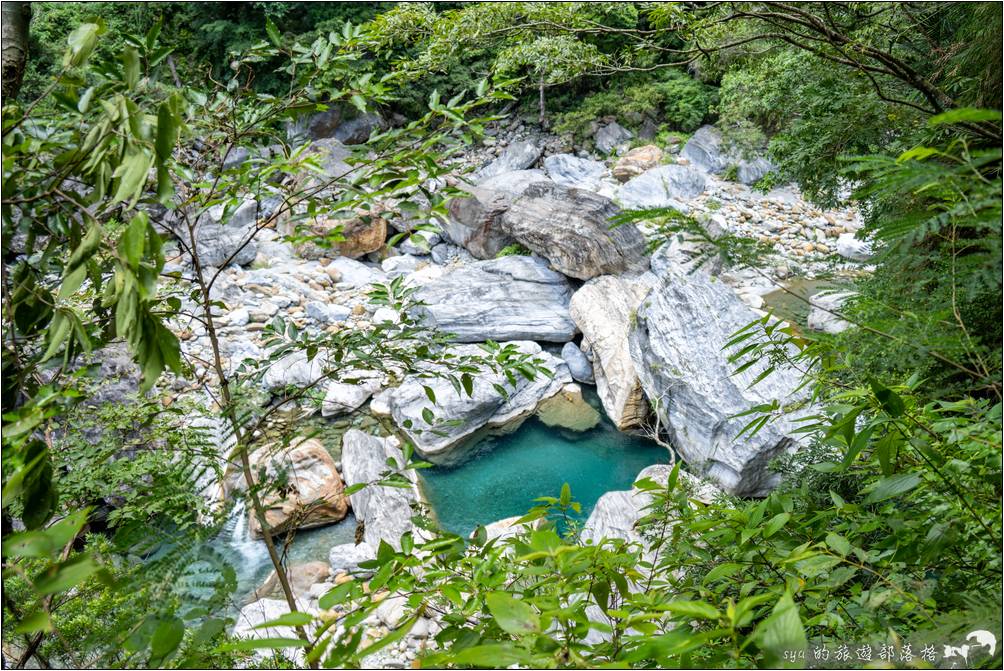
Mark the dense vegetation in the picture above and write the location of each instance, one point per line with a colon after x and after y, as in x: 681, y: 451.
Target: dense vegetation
x: 887, y: 529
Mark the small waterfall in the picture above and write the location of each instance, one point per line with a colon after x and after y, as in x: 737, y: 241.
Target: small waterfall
x: 249, y: 555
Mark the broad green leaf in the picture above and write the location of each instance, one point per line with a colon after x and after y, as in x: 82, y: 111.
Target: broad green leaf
x: 132, y: 175
x: 775, y: 523
x: 781, y: 632
x: 37, y: 621
x: 512, y: 615
x: 964, y: 115
x: 261, y: 643
x: 81, y: 43
x: 273, y: 33
x: 167, y: 131
x: 890, y: 400
x: 693, y: 609
x: 892, y: 486
x: 131, y: 66
x: 59, y: 328
x: 291, y: 619
x: 838, y: 543
x: 67, y: 574
x: 166, y: 638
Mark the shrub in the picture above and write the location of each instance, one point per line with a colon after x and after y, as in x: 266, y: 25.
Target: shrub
x: 674, y: 99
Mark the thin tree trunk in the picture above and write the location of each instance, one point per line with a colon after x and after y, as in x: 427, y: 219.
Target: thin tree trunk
x: 174, y: 72
x: 541, y: 118
x: 241, y: 437
x: 16, y: 17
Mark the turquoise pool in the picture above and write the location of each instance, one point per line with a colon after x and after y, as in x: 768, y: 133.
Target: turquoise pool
x: 508, y: 472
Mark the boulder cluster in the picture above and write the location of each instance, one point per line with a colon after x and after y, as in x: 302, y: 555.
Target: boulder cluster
x: 528, y: 255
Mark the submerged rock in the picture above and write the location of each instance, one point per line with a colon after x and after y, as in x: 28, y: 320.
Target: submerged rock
x: 821, y: 317
x: 511, y: 298
x: 676, y: 347
x: 604, y: 309
x: 459, y: 416
x: 571, y: 228
x: 384, y: 511
x: 312, y: 496
x: 568, y: 410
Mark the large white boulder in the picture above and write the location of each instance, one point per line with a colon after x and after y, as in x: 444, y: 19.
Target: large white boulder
x: 665, y: 186
x: 677, y: 347
x: 511, y: 298
x: 604, y: 310
x: 385, y: 511
x: 458, y: 416
x: 851, y: 247
x: 824, y: 304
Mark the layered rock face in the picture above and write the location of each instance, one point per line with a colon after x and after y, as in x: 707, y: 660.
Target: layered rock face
x: 571, y: 228
x: 313, y: 496
x: 484, y: 409
x: 604, y: 310
x: 511, y: 298
x: 385, y: 512
x: 676, y: 346
x: 474, y: 220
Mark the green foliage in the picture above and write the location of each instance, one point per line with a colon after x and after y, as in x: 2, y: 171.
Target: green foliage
x: 514, y: 249
x: 670, y: 98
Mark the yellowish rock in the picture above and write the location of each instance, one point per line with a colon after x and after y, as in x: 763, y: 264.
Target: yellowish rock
x: 568, y: 410
x: 637, y: 161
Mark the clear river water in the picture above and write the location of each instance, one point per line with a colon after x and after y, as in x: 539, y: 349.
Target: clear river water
x: 501, y: 480
x: 510, y: 471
